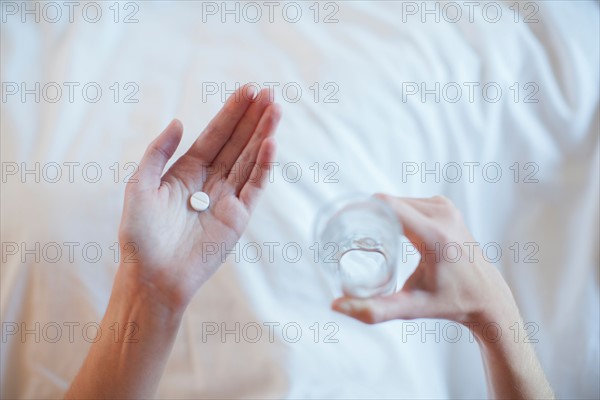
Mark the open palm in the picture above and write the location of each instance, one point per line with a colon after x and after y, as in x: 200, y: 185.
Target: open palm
x: 165, y: 243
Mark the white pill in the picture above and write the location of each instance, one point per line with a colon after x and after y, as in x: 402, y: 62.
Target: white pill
x: 200, y: 201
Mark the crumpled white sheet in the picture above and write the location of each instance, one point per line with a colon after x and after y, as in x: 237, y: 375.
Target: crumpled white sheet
x: 371, y: 136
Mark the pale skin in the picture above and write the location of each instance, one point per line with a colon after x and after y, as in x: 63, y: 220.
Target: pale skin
x: 467, y: 290
x: 154, y: 286
x: 155, y: 283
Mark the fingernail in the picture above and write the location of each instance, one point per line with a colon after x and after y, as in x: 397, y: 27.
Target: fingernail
x: 345, y: 306
x: 251, y: 92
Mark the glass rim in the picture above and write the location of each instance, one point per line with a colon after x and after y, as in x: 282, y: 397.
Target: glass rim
x: 332, y: 207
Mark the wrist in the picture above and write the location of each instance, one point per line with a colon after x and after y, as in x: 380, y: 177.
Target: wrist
x: 492, y: 323
x: 132, y: 295
x: 495, y: 328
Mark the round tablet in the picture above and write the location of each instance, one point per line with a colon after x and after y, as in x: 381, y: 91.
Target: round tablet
x: 199, y: 201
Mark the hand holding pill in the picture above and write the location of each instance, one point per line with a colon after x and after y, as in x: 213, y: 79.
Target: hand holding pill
x: 169, y: 216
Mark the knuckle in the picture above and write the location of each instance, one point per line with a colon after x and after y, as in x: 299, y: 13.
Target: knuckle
x: 447, y: 207
x: 442, y: 201
x: 441, y: 236
x: 386, y: 198
x: 454, y: 213
x: 155, y: 150
x: 371, y: 317
x: 371, y: 314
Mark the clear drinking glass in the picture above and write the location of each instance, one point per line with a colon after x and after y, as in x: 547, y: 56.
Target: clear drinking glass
x: 357, y: 239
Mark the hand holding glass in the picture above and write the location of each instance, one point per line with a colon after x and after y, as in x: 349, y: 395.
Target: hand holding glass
x: 358, y: 244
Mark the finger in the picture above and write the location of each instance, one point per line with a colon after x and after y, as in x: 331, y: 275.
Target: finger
x: 219, y: 130
x: 417, y: 227
x: 401, y: 305
x: 158, y: 154
x: 430, y: 206
x: 242, y: 134
x: 266, y: 128
x: 257, y: 180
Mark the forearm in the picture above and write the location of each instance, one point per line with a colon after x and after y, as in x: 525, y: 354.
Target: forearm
x: 512, y: 367
x: 128, y: 359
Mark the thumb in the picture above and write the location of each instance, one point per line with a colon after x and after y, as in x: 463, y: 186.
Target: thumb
x: 158, y: 154
x: 400, y: 305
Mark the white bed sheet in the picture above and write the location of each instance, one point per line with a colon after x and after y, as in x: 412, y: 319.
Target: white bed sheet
x: 369, y: 133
